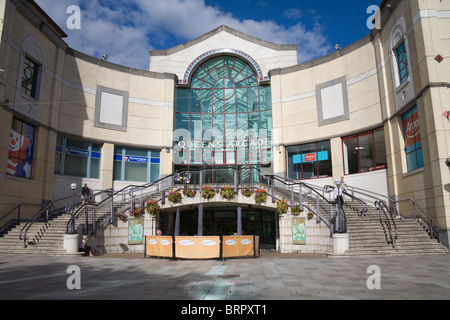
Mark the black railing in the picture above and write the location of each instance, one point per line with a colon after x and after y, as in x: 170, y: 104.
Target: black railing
x: 382, y: 207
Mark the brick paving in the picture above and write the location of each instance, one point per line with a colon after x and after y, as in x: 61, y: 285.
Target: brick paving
x: 268, y: 278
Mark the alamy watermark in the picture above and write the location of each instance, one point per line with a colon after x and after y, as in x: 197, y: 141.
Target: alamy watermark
x: 74, y: 20
x: 374, y: 20
x: 374, y: 281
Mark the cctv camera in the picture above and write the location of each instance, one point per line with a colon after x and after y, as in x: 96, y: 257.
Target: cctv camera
x: 447, y: 162
x: 105, y: 57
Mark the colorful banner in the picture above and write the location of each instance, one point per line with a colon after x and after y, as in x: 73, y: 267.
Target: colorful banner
x: 159, y: 246
x: 238, y: 246
x: 197, y: 247
x: 20, y: 155
x: 135, y: 231
x: 299, y: 231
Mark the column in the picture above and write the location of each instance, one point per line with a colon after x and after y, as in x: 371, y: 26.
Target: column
x: 177, y: 223
x: 239, y: 221
x: 200, y: 221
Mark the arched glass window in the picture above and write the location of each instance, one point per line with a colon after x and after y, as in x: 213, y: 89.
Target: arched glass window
x: 225, y: 117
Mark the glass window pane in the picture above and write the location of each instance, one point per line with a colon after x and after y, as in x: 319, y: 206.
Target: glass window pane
x: 95, y: 169
x: 253, y: 103
x: 241, y: 99
x: 182, y: 102
x: 75, y: 166
x: 351, y: 161
x: 117, y: 172
x: 195, y: 101
x: 154, y: 172
x: 196, y: 83
x: 206, y: 101
x: 366, y: 154
x: 265, y: 98
x: 230, y: 127
x: 135, y: 171
x: 136, y: 152
x: 380, y: 148
x: 58, y: 160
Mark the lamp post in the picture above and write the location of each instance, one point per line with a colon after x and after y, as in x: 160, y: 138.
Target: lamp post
x: 73, y: 186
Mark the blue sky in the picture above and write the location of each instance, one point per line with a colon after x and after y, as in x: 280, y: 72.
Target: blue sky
x: 127, y: 30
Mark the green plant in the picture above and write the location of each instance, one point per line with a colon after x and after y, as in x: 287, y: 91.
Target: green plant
x: 122, y: 216
x: 174, y: 196
x: 310, y: 216
x: 189, y: 193
x: 227, y: 192
x: 137, y: 212
x: 260, y: 196
x: 247, y: 192
x: 208, y: 192
x: 152, y: 208
x: 296, y: 210
x: 282, y: 207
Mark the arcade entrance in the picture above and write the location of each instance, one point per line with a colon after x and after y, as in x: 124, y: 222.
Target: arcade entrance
x: 223, y: 221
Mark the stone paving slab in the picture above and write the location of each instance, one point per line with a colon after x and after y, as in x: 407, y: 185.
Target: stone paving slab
x: 269, y: 278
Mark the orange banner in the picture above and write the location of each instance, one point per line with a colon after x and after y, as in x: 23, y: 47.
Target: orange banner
x: 159, y: 247
x: 197, y: 247
x: 238, y: 246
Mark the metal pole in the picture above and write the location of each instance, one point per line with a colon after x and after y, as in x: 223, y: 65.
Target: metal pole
x: 300, y: 197
x: 72, y: 222
x: 94, y: 225
x: 317, y: 209
x: 86, y: 220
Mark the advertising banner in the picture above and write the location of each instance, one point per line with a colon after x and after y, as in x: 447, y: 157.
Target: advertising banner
x: 158, y: 246
x: 299, y: 231
x: 238, y: 246
x: 135, y: 231
x: 197, y: 247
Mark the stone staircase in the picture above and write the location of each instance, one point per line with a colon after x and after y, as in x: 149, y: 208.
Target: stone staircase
x: 369, y: 236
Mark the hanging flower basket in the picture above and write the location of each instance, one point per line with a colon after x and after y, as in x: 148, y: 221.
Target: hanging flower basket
x: 174, y: 196
x: 189, y: 193
x: 296, y: 210
x: 247, y: 192
x: 310, y: 216
x: 227, y: 193
x: 137, y: 212
x: 208, y: 193
x: 260, y: 196
x: 122, y: 217
x: 282, y: 207
x: 152, y: 208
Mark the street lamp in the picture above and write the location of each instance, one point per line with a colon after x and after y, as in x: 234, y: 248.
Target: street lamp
x: 73, y: 186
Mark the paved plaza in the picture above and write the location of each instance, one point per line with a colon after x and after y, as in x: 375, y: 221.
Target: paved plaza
x: 270, y: 277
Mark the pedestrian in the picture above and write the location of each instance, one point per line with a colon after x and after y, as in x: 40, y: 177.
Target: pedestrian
x: 338, y: 193
x: 85, y: 248
x: 85, y: 193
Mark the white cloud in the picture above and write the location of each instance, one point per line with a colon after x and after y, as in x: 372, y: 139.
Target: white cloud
x: 127, y: 30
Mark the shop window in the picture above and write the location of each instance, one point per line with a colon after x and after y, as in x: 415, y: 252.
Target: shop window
x: 309, y: 161
x: 77, y: 158
x: 365, y: 152
x: 21, y: 145
x: 413, y: 139
x: 137, y: 165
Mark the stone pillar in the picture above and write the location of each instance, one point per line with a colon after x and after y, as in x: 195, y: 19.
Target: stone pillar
x: 177, y: 223
x: 200, y: 221
x: 239, y: 221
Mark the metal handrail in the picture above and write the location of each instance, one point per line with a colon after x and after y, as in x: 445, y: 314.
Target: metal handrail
x: 430, y: 219
x: 382, y: 206
x: 365, y: 206
x: 18, y: 208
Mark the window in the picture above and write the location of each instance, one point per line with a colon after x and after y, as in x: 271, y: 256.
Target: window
x: 365, y: 152
x: 136, y: 164
x: 402, y: 59
x: 309, y: 161
x: 413, y: 140
x: 77, y: 158
x: 228, y: 116
x: 30, y: 77
x: 21, y: 145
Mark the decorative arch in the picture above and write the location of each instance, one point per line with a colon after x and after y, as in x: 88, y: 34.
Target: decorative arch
x: 193, y: 66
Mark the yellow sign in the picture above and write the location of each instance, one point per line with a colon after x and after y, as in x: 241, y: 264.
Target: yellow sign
x: 197, y: 247
x: 238, y: 246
